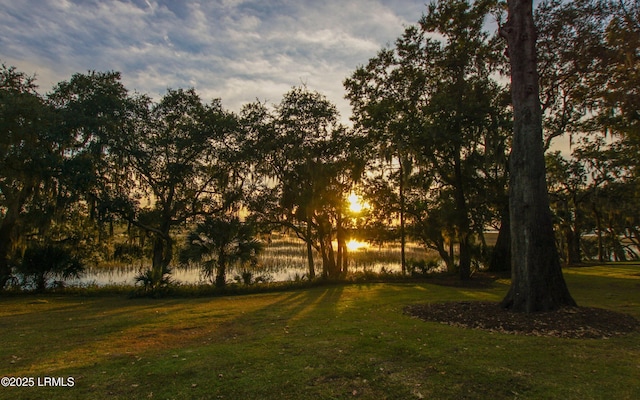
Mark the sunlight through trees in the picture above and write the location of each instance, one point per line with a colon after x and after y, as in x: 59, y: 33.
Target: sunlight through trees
x: 99, y: 173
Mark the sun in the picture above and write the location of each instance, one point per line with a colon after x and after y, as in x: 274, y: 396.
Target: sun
x: 353, y: 245
x: 356, y: 204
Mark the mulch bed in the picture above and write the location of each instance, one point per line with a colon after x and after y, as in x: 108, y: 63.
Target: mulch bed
x: 574, y: 322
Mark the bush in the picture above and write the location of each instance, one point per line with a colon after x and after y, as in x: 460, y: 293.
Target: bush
x: 152, y: 284
x: 421, y: 267
x: 41, y: 263
x: 248, y: 278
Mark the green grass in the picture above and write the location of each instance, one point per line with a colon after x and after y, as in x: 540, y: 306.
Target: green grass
x: 331, y: 342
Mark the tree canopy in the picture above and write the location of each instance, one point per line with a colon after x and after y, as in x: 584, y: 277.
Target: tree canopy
x: 91, y: 171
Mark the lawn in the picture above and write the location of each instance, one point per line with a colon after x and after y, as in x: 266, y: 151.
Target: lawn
x: 331, y: 342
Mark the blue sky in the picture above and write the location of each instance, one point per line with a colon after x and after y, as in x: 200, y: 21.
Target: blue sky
x: 236, y: 50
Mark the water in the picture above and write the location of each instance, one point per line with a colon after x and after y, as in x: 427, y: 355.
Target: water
x: 281, y: 260
x: 126, y: 275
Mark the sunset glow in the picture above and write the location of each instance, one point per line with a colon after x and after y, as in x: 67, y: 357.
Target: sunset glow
x: 356, y: 204
x: 354, y: 245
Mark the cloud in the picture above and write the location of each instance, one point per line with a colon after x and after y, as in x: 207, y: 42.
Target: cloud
x: 237, y: 50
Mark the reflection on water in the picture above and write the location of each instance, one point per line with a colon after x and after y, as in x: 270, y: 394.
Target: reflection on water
x: 281, y: 260
x: 126, y: 275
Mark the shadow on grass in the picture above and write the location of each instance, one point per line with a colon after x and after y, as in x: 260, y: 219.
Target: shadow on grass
x: 333, y: 341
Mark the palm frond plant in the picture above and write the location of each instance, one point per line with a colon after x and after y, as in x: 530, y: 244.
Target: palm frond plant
x: 219, y: 243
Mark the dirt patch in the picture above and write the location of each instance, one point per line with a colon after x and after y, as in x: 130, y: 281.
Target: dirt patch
x: 574, y: 322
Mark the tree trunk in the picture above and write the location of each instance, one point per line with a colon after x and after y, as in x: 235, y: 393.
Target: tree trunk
x: 575, y: 251
x: 221, y: 272
x: 342, y: 253
x: 446, y: 256
x: 329, y: 267
x: 452, y: 254
x: 162, y: 255
x: 501, y: 255
x: 574, y: 256
x: 157, y: 261
x: 403, y: 235
x: 325, y: 261
x: 537, y: 282
x: 599, y: 233
x: 345, y: 259
x: 168, y: 251
x: 463, y: 221
x: 333, y: 267
x: 312, y: 270
x: 323, y: 250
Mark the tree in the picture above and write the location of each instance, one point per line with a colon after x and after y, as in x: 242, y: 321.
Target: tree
x: 176, y: 164
x: 377, y: 94
x: 30, y: 156
x: 609, y: 198
x: 619, y: 69
x: 588, y: 60
x: 574, y: 187
x: 568, y: 191
x: 537, y: 282
x: 92, y: 111
x: 617, y: 221
x: 53, y: 158
x: 219, y: 243
x: 432, y: 101
x: 309, y: 163
x: 569, y: 43
x: 619, y: 114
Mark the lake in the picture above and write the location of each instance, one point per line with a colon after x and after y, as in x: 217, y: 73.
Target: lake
x: 281, y: 260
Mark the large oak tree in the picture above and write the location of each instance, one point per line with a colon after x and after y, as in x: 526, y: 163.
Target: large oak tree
x: 537, y: 280
x: 177, y: 166
x: 28, y: 156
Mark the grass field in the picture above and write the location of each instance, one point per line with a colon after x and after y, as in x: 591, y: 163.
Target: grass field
x: 331, y: 342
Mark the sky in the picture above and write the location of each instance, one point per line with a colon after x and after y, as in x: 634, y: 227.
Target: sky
x: 237, y: 50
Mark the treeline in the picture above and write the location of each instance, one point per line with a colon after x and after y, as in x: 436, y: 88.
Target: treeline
x: 428, y: 150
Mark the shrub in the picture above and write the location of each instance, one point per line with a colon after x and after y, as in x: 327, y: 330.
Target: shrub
x: 41, y: 263
x: 152, y: 284
x: 421, y: 267
x: 219, y: 243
